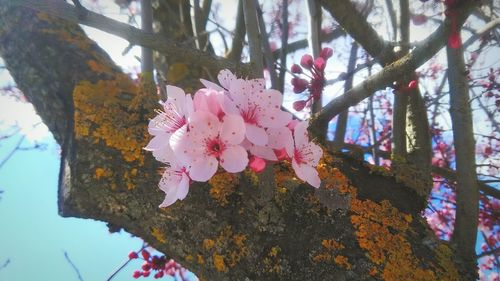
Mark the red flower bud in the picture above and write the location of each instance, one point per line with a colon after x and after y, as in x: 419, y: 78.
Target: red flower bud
x: 320, y: 63
x: 145, y: 254
x: 412, y: 85
x: 299, y: 85
x: 132, y: 255
x: 146, y: 266
x: 146, y: 273
x: 296, y: 69
x: 137, y: 274
x: 257, y: 164
x: 299, y: 105
x: 326, y: 53
x: 306, y: 61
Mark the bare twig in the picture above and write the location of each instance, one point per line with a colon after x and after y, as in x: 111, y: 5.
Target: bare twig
x: 75, y: 268
x: 254, y: 42
x: 5, y: 264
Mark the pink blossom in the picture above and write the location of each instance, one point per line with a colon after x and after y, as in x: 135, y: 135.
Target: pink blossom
x: 208, y: 99
x: 259, y: 108
x: 172, y: 119
x: 209, y: 142
x: 305, y: 155
x: 175, y: 179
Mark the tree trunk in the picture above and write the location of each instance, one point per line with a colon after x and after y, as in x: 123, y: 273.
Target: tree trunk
x: 366, y: 226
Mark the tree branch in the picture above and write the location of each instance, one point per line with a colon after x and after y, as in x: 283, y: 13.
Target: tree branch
x: 133, y: 35
x: 384, y: 78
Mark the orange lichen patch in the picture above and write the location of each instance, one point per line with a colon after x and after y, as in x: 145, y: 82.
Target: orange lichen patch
x: 332, y: 244
x: 382, y: 230
x: 101, y: 114
x: 99, y: 67
x: 226, y: 250
x: 128, y: 178
x: 158, y: 234
x: 222, y: 185
x: 252, y: 176
x: 342, y: 261
x: 284, y: 176
x: 219, y: 263
x: 200, y: 259
x: 102, y: 172
x: 329, y: 254
x: 189, y: 258
x: 208, y: 244
x: 272, y: 262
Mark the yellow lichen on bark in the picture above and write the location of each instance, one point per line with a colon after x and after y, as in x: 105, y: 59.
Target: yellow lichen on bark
x: 225, y: 250
x: 223, y: 184
x: 158, y: 235
x: 101, y: 114
x: 272, y: 261
x: 382, y: 231
x: 330, y: 254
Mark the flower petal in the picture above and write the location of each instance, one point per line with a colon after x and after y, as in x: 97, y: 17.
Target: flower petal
x: 234, y: 159
x: 281, y: 138
x: 300, y: 134
x: 211, y: 85
x: 233, y: 129
x: 176, y: 95
x: 203, y: 168
x: 183, y: 188
x: 307, y: 174
x: 225, y: 78
x: 256, y: 135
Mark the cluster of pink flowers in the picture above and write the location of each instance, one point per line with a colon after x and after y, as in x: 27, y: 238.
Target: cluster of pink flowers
x: 236, y: 124
x: 316, y: 80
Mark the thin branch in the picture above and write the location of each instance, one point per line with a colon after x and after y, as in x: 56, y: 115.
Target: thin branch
x: 11, y: 153
x: 135, y: 36
x: 301, y: 44
x: 268, y: 55
x: 254, y: 42
x: 404, y: 66
x: 144, y: 246
x: 5, y: 264
x: 66, y: 256
x: 146, y: 26
x: 239, y: 35
x: 284, y: 45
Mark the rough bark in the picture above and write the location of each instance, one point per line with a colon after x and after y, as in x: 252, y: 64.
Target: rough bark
x: 368, y: 229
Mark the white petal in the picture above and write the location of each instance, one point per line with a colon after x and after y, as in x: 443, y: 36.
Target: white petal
x: 203, y: 124
x: 176, y: 95
x: 256, y: 135
x: 263, y: 152
x: 202, y: 169
x: 300, y: 134
x: 275, y: 118
x: 234, y: 159
x: 307, y: 174
x: 183, y: 187
x: 211, y: 85
x: 233, y: 129
x: 225, y: 78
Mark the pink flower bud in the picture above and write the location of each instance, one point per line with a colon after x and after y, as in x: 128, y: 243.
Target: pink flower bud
x: 296, y: 69
x: 145, y: 254
x: 306, y: 61
x: 412, y: 85
x: 281, y: 154
x: 299, y: 85
x: 137, y: 274
x: 256, y: 164
x: 326, y: 53
x: 299, y: 105
x: 320, y: 64
x: 132, y: 255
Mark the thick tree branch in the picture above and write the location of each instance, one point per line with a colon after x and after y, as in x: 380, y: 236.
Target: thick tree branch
x: 134, y: 36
